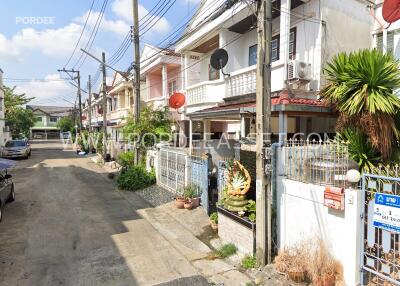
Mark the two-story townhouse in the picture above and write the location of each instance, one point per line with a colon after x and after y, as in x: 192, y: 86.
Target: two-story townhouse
x: 385, y: 36
x: 305, y: 34
x: 120, y: 104
x: 4, y: 133
x: 161, y: 72
x: 46, y: 118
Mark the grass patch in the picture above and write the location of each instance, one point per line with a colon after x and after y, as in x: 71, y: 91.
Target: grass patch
x: 249, y: 262
x: 224, y: 251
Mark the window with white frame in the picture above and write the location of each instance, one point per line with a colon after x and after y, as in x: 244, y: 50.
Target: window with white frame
x: 53, y: 119
x: 172, y: 87
x: 389, y: 44
x: 253, y: 55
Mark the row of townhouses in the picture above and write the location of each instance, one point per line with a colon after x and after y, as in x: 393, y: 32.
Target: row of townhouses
x: 306, y: 34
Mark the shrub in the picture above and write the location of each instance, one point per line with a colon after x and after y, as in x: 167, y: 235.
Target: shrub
x: 224, y: 251
x: 135, y: 178
x: 126, y: 159
x: 191, y: 191
x: 249, y: 261
x: 214, y: 217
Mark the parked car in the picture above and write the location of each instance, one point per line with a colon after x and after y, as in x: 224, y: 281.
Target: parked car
x: 7, y: 193
x: 16, y: 149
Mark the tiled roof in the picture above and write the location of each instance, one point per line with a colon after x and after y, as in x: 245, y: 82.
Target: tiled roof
x: 53, y: 110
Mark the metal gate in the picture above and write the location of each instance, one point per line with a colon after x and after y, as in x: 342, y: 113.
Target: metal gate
x: 380, y: 245
x: 173, y: 168
x: 199, y: 177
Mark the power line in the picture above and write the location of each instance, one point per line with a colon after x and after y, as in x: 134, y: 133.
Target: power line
x: 160, y: 17
x: 93, y: 35
x: 83, y: 30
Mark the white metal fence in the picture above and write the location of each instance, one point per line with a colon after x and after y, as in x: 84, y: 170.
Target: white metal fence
x: 173, y: 168
x: 317, y: 162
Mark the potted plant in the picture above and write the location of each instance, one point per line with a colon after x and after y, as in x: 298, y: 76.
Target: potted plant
x: 293, y: 262
x: 195, y: 193
x: 214, y: 221
x: 188, y: 194
x: 179, y: 199
x: 324, y: 269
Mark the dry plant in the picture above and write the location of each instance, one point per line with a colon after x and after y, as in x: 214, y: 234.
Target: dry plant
x: 293, y: 259
x: 312, y: 258
x: 322, y: 267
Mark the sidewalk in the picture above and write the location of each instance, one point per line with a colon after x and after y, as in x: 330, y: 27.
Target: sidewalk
x: 183, y: 230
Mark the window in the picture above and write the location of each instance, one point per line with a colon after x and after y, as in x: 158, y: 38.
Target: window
x: 38, y: 119
x: 53, y: 119
x: 172, y: 87
x: 292, y: 43
x: 389, y: 44
x: 253, y: 55
x: 275, y: 48
x: 213, y: 74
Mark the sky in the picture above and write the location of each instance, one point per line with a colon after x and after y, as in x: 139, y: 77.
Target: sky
x: 37, y: 37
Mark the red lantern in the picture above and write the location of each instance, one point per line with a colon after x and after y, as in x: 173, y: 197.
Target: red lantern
x: 83, y: 117
x: 100, y: 111
x: 391, y: 10
x: 177, y: 100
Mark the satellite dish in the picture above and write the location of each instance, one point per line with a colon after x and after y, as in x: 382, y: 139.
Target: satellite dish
x: 219, y: 59
x: 391, y: 10
x: 177, y: 100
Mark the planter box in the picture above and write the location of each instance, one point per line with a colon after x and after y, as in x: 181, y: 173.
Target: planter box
x: 237, y: 230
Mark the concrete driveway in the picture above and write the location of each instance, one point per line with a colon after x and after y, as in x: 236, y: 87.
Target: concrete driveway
x: 68, y: 226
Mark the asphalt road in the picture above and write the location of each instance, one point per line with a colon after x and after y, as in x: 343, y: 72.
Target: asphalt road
x: 69, y: 226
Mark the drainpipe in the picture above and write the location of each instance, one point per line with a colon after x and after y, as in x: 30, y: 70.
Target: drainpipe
x: 274, y: 175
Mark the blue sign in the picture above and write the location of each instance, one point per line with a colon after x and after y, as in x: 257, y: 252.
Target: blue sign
x: 387, y: 212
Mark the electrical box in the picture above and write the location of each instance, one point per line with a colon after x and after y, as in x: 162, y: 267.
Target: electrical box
x: 334, y: 198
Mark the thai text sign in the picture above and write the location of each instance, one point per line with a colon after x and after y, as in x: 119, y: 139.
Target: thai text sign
x: 387, y: 212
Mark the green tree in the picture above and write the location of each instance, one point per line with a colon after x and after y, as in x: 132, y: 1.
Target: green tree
x: 154, y: 125
x: 66, y: 124
x: 19, y: 119
x: 362, y: 86
x: 13, y: 101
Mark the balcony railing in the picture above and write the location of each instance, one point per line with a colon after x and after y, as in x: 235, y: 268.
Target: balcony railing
x: 206, y: 92
x: 241, y: 82
x: 119, y: 114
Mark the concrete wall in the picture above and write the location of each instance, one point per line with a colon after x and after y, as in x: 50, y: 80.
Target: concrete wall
x: 231, y: 231
x: 3, y: 136
x: 302, y: 215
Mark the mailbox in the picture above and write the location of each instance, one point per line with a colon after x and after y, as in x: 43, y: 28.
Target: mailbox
x: 334, y: 198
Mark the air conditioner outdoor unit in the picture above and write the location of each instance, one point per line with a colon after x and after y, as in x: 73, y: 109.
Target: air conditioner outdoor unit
x: 298, y: 70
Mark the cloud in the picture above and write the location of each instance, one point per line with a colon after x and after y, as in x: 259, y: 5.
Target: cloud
x: 50, y: 42
x: 50, y: 92
x: 119, y: 27
x: 123, y: 9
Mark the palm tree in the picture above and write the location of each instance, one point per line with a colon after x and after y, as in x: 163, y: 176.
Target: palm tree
x: 362, y: 86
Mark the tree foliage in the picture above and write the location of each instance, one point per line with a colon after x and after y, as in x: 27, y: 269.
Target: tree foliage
x: 154, y: 125
x: 66, y: 124
x: 362, y: 86
x: 19, y: 119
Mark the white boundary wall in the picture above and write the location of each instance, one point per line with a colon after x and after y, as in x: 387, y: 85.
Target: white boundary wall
x: 302, y: 215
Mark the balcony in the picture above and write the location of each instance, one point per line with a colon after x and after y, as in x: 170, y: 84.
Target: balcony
x: 121, y: 113
x: 206, y: 92
x: 241, y: 82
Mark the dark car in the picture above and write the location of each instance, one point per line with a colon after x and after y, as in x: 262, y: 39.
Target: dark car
x: 7, y: 193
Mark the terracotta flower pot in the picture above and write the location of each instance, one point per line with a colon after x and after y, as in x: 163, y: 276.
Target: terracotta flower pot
x: 327, y: 280
x: 188, y: 205
x: 297, y: 276
x: 179, y: 203
x: 195, y: 202
x: 214, y: 226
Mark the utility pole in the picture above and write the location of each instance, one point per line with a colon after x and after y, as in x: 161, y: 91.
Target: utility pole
x: 103, y: 57
x: 90, y: 103
x: 80, y: 102
x: 263, y: 127
x: 79, y: 91
x: 137, y: 68
x: 90, y: 113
